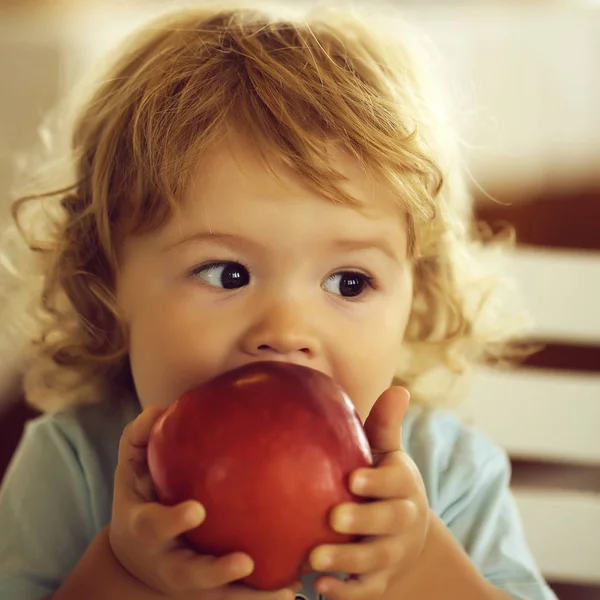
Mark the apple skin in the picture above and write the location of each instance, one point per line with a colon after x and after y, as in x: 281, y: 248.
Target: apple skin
x: 267, y: 450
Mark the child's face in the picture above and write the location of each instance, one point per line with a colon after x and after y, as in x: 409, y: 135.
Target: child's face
x: 260, y: 268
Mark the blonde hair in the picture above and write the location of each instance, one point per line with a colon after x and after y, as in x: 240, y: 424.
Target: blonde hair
x: 290, y: 82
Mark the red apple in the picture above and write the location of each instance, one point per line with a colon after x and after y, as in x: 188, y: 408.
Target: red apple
x: 267, y: 449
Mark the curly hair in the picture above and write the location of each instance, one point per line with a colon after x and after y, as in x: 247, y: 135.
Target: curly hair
x: 290, y: 82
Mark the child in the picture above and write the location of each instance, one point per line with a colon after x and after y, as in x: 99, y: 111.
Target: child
x: 251, y: 187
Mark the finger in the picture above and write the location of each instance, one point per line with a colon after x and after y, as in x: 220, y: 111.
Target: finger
x: 140, y: 430
x: 156, y: 524
x: 396, y: 476
x: 132, y: 447
x: 358, y: 558
x: 365, y: 587
x: 390, y: 517
x: 184, y: 570
x: 384, y: 423
x: 143, y: 487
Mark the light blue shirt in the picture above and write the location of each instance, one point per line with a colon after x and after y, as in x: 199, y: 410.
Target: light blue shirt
x: 57, y: 495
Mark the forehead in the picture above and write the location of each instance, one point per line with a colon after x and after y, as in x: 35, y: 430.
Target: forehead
x: 246, y: 173
x: 237, y: 193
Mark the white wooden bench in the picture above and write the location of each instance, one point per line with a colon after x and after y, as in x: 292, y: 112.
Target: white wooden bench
x: 548, y: 419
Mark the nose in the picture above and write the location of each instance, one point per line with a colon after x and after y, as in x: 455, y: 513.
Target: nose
x: 282, y: 331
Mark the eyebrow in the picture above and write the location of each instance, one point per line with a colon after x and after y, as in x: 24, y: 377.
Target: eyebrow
x: 235, y: 241
x: 370, y: 244
x: 223, y: 239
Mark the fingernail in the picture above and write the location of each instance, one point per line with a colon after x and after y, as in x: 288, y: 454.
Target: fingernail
x: 321, y: 559
x: 358, y: 484
x: 195, y: 514
x: 323, y: 587
x: 343, y: 519
x: 245, y: 566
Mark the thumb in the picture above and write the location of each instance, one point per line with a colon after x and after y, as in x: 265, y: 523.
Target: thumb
x: 384, y: 423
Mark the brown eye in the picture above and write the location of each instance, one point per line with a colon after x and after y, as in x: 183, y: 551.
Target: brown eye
x: 226, y: 275
x: 348, y: 284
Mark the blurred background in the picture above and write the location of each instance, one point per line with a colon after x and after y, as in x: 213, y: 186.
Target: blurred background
x: 526, y: 81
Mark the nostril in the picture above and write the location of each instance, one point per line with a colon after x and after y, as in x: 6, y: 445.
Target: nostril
x: 267, y: 348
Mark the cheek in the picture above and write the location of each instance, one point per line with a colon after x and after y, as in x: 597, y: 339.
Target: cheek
x: 155, y: 358
x: 172, y: 348
x: 369, y: 369
x: 375, y: 375
x: 375, y: 358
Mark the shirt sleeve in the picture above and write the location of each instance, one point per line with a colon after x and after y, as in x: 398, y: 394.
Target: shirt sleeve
x: 44, y: 514
x: 467, y: 480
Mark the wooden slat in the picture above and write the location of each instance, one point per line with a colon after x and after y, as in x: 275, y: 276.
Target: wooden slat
x: 562, y: 291
x: 536, y: 414
x: 575, y: 591
x: 550, y: 476
x: 562, y: 528
x: 565, y: 357
x: 557, y: 217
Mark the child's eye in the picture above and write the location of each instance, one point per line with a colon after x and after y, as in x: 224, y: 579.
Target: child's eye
x: 226, y: 275
x: 348, y: 284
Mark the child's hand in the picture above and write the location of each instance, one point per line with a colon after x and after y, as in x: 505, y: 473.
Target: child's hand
x: 144, y: 534
x: 395, y: 522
